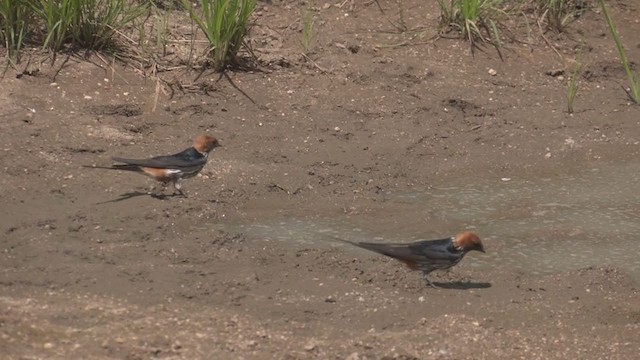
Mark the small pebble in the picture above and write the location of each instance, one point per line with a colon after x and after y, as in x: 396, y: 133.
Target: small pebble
x: 353, y: 356
x: 310, y: 346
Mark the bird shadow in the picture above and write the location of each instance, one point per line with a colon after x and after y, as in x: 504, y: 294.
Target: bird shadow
x: 460, y: 285
x: 133, y: 194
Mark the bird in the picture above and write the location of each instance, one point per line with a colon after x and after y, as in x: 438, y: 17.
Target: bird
x: 427, y: 255
x: 170, y: 168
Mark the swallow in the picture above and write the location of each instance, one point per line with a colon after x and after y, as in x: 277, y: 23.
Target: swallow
x: 428, y: 255
x: 171, y: 168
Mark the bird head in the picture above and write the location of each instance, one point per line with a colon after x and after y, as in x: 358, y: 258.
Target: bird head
x: 468, y: 241
x: 205, y: 143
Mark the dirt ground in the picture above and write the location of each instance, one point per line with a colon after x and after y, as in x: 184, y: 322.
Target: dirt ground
x: 93, y: 268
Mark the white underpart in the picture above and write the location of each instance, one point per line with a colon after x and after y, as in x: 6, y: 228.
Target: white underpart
x: 177, y: 184
x: 176, y: 180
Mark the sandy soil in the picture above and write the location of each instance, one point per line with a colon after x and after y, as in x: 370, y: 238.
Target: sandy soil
x: 91, y: 267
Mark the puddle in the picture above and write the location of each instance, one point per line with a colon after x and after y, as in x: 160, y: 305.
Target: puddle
x: 536, y: 225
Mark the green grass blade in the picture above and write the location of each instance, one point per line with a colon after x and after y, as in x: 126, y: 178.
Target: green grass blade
x: 224, y: 23
x: 633, y: 79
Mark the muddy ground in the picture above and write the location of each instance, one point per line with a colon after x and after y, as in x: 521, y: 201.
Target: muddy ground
x: 93, y: 267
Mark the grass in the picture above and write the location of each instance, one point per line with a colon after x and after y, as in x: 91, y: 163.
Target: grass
x: 400, y: 26
x: 572, y: 85
x: 308, y: 21
x: 98, y: 24
x: 224, y: 23
x: 307, y: 30
x: 101, y: 20
x: 57, y: 17
x: 15, y: 18
x: 162, y: 26
x: 88, y: 24
x: 634, y: 78
x: 475, y: 20
x: 558, y: 13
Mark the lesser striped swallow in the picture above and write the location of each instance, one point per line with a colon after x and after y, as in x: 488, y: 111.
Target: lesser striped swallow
x: 171, y: 168
x: 428, y: 255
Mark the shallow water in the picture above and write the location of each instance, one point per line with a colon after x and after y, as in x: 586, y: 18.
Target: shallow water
x: 539, y: 226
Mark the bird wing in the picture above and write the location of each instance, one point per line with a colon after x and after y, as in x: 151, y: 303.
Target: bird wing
x: 184, y: 160
x: 418, y: 255
x: 435, y: 249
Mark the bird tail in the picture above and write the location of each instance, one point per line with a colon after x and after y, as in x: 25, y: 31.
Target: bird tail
x: 384, y: 249
x: 335, y: 238
x: 397, y: 251
x: 125, y: 167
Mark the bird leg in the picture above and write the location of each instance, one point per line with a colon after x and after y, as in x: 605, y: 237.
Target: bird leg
x: 177, y: 183
x: 424, y: 276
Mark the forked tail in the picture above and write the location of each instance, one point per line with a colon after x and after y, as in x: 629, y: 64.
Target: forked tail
x: 125, y: 167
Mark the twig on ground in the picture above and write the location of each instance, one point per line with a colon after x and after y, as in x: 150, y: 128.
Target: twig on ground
x: 548, y: 42
x: 323, y: 70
